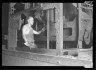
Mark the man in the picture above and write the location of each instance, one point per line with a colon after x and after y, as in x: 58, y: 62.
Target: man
x: 28, y: 33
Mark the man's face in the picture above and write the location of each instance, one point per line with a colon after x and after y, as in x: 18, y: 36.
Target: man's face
x: 30, y: 20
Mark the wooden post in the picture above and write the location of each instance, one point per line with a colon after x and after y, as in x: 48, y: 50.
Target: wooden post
x: 41, y: 5
x: 11, y: 38
x: 12, y: 32
x: 80, y: 29
x: 47, y: 29
x: 33, y: 4
x: 59, y: 29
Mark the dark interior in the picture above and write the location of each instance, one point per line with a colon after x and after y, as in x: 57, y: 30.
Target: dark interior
x: 5, y: 16
x: 70, y: 13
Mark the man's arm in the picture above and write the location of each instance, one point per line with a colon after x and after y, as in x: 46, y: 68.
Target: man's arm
x: 35, y: 32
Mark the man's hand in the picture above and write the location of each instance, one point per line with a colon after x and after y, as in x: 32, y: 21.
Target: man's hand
x: 43, y: 29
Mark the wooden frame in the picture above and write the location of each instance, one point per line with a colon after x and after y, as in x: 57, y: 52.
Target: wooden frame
x: 58, y: 25
x: 46, y: 55
x: 59, y: 28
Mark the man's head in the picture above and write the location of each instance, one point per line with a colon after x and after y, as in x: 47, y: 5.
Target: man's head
x: 30, y: 20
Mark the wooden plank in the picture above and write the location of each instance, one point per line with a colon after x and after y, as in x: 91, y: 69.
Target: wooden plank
x: 59, y: 28
x: 37, y: 50
x: 9, y: 32
x: 60, y: 60
x: 47, y: 29
x: 80, y: 28
x: 11, y: 36
x: 8, y: 60
x: 33, y: 4
x: 12, y: 32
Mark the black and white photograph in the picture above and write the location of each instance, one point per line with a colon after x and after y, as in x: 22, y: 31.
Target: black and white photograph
x: 47, y: 34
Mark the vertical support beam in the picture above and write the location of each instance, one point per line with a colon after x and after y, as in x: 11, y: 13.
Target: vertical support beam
x: 41, y: 5
x: 9, y: 25
x: 33, y: 4
x: 59, y: 29
x: 80, y: 28
x: 9, y: 13
x: 47, y: 29
x: 12, y: 32
x: 11, y: 37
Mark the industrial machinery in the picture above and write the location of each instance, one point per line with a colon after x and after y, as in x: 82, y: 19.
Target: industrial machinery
x: 67, y: 39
